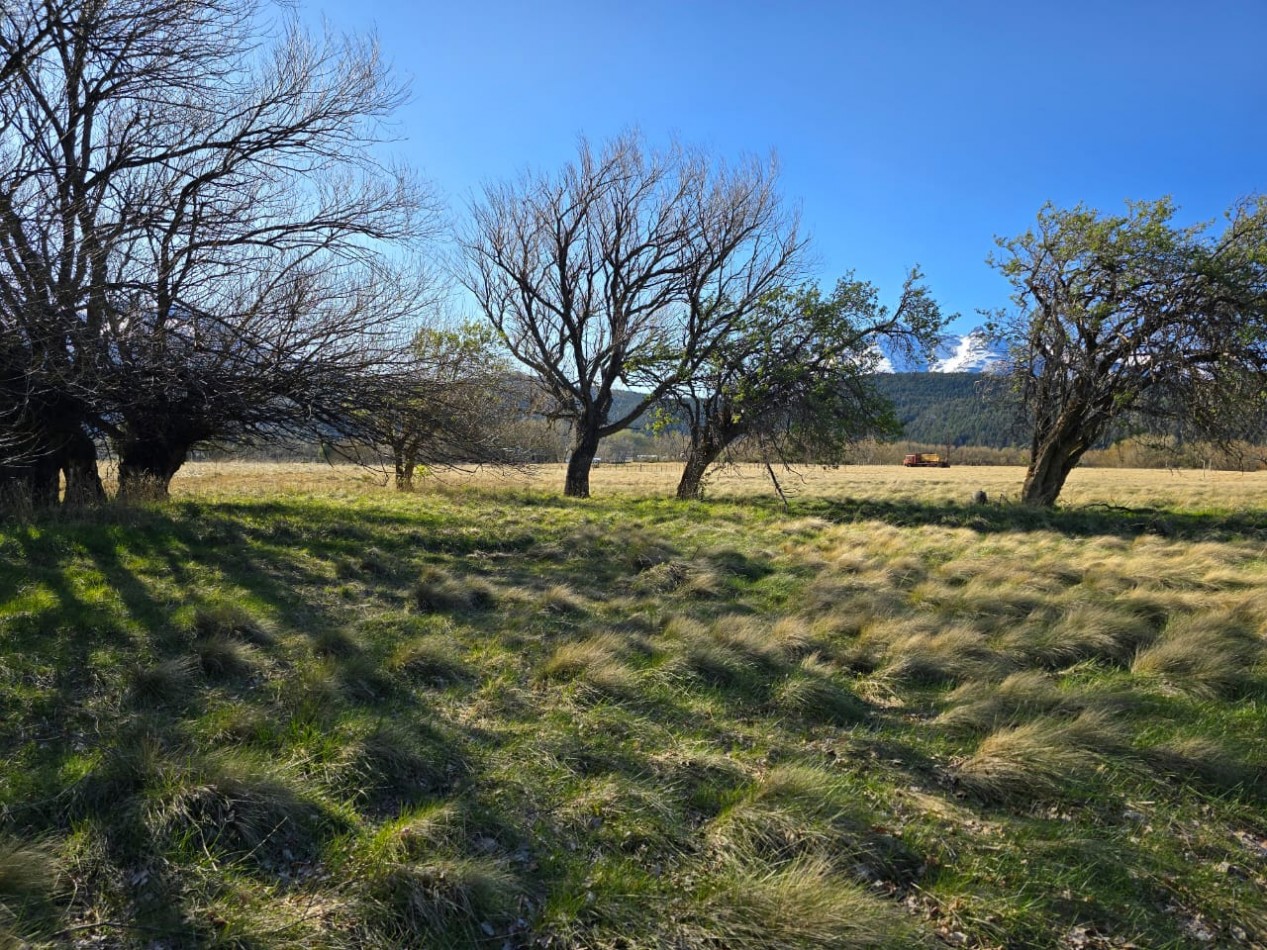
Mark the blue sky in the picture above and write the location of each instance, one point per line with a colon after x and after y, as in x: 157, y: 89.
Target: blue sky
x: 906, y: 131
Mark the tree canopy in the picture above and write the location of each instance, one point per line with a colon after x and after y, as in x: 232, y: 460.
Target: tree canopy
x: 1131, y: 314
x: 795, y: 377
x: 196, y: 238
x: 629, y: 266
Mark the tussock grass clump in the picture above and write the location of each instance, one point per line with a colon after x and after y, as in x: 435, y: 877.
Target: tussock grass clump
x: 643, y: 551
x: 436, y: 591
x: 222, y: 657
x: 661, y: 577
x: 803, y: 905
x: 335, y: 643
x: 1084, y: 632
x: 561, y: 599
x: 434, y: 659
x: 377, y: 563
x: 389, y: 766
x: 695, y: 580
x: 222, y: 619
x: 717, y: 664
x: 596, y: 662
x: 28, y: 880
x: 706, y: 781
x: 795, y: 811
x: 810, y: 693
x: 738, y: 564
x: 723, y: 654
x: 1207, y: 762
x: 312, y: 693
x: 1208, y: 656
x: 230, y: 803
x: 792, y: 636
x: 418, y: 833
x: 984, y: 707
x: 363, y: 679
x: 1044, y: 760
x: 442, y: 901
x: 167, y: 681
x: 949, y: 655
x: 621, y: 813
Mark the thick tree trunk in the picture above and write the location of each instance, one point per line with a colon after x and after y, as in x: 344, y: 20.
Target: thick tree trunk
x: 146, y: 469
x: 584, y: 448
x: 83, y: 480
x: 699, y: 460
x: 1051, y: 461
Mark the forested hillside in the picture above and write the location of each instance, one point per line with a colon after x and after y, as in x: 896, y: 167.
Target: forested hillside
x: 954, y: 408
x: 935, y: 408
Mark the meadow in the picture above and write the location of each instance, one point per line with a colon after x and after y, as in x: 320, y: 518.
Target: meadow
x: 292, y: 707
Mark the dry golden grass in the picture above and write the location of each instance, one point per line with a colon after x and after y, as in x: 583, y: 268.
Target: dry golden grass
x: 1125, y: 487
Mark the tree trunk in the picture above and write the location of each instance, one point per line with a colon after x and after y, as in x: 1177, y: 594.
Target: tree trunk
x: 699, y: 458
x: 404, y: 472
x: 1051, y: 461
x: 79, y: 462
x: 584, y: 448
x: 146, y: 469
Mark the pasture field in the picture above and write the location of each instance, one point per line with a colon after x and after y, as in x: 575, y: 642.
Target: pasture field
x: 291, y: 707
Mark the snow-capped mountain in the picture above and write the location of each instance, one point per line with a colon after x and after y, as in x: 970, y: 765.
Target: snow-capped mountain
x: 882, y: 363
x: 970, y: 353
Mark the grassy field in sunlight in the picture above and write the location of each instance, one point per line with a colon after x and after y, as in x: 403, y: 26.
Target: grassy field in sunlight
x: 292, y: 707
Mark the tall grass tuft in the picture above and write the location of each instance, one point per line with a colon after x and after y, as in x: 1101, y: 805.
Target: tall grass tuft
x: 594, y: 662
x: 167, y: 681
x: 221, y: 619
x: 1209, y: 656
x: 942, y: 656
x: 436, y: 591
x: 224, y: 657
x: 389, y: 766
x: 439, y: 902
x: 28, y: 880
x: 983, y: 707
x: 1084, y: 632
x: 804, y: 905
x: 231, y: 803
x: 1039, y: 761
x: 811, y: 694
x: 434, y: 659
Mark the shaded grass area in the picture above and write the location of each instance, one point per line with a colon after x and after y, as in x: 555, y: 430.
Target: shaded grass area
x: 499, y: 718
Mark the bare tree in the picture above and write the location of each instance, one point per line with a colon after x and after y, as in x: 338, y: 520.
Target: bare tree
x: 794, y: 379
x: 628, y: 267
x: 195, y: 230
x: 1130, y: 317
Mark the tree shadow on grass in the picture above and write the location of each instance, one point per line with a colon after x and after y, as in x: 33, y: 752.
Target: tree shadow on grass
x: 1079, y: 522
x: 116, y: 734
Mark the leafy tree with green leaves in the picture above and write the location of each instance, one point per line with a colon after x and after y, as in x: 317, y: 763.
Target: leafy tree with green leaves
x: 795, y: 380
x: 1132, y: 317
x: 446, y: 406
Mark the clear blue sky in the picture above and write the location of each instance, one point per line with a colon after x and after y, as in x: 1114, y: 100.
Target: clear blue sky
x: 906, y: 131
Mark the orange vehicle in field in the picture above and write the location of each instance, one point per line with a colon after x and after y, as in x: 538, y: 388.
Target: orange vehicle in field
x: 925, y: 460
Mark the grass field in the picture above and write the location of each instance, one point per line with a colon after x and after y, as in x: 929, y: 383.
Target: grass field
x: 294, y: 708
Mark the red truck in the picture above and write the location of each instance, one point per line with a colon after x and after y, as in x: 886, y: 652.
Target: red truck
x: 925, y: 460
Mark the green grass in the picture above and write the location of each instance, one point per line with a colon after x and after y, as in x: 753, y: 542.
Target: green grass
x: 493, y: 717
